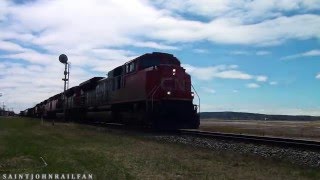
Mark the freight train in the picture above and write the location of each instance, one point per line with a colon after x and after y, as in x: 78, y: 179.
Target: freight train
x: 152, y: 90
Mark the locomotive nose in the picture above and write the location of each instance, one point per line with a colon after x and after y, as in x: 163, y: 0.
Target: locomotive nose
x: 168, y: 84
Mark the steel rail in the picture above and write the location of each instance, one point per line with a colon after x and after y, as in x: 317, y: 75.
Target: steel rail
x: 267, y: 140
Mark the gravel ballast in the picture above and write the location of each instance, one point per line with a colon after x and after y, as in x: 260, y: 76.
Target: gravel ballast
x: 296, y: 156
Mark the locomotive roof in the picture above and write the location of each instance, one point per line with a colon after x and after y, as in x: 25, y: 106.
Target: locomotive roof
x: 55, y: 96
x: 105, y: 78
x: 147, y: 60
x: 89, y: 84
x: 171, y: 59
x: 70, y: 91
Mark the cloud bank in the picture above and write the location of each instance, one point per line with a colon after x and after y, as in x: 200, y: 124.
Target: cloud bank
x: 100, y: 35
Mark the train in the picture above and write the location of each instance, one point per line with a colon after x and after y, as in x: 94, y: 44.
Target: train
x: 152, y: 90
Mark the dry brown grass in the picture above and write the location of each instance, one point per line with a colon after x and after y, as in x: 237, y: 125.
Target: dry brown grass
x: 291, y: 129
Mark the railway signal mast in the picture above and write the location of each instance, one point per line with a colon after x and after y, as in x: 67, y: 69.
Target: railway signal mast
x: 0, y: 107
x: 3, y: 106
x: 64, y: 60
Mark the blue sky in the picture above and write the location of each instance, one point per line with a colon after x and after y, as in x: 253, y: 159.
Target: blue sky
x: 254, y: 56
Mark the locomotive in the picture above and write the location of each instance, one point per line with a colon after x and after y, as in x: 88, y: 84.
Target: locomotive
x: 152, y: 90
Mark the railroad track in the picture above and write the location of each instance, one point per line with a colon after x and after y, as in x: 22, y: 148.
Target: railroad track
x: 274, y: 141
x: 266, y: 140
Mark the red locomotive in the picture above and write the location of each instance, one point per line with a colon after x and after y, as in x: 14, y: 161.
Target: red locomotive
x: 152, y: 90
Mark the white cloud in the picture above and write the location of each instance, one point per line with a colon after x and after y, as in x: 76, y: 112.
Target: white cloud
x: 94, y: 23
x: 253, y: 85
x: 94, y: 33
x: 118, y: 23
x: 315, y: 52
x: 318, y: 76
x: 262, y: 53
x: 154, y: 45
x: 262, y: 78
x: 11, y: 47
x: 242, y: 22
x: 273, y: 83
x: 240, y: 52
x: 268, y: 32
x: 221, y: 71
x: 258, y: 53
x: 32, y: 57
x: 3, y: 9
x: 233, y: 74
x: 201, y: 51
x: 249, y: 9
x: 233, y: 66
x: 202, y: 7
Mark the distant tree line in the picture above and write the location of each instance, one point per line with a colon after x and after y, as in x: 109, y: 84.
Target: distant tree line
x: 255, y: 116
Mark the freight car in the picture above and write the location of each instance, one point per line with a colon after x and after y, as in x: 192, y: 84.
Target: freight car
x: 152, y: 90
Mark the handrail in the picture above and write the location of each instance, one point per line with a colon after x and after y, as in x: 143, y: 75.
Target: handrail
x: 153, y: 95
x: 155, y: 89
x: 197, y: 96
x: 151, y: 91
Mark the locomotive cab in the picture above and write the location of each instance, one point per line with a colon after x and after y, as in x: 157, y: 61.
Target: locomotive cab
x: 153, y: 90
x: 168, y: 92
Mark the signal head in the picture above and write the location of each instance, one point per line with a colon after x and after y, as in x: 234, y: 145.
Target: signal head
x: 63, y: 58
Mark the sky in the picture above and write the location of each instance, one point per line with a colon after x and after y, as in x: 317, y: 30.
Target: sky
x: 258, y: 56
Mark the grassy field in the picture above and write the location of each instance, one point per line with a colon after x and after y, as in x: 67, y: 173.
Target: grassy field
x: 72, y: 148
x: 291, y: 129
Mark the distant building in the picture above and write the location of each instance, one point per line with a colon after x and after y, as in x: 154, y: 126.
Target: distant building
x: 6, y: 113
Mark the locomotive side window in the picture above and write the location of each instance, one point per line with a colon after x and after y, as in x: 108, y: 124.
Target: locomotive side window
x: 130, y: 67
x: 127, y: 68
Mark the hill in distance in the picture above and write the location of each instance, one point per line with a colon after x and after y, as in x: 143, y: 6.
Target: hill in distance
x: 255, y: 116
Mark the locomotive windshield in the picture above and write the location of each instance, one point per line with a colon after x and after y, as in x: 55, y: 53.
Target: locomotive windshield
x: 154, y: 59
x: 145, y: 63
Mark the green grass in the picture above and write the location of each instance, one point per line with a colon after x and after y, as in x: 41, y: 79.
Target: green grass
x: 73, y: 148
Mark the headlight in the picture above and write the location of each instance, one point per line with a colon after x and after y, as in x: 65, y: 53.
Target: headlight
x: 192, y: 94
x: 173, y: 72
x: 169, y: 92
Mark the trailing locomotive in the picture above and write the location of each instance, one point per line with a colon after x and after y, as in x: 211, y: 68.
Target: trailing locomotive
x: 152, y: 90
